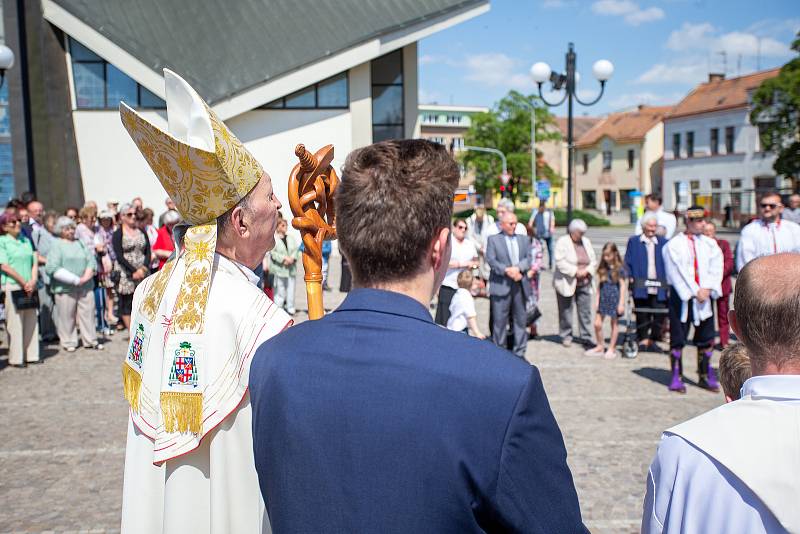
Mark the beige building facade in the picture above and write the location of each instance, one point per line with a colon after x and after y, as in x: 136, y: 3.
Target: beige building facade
x: 619, y: 156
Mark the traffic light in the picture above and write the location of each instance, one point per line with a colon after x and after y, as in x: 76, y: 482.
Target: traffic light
x: 502, y: 188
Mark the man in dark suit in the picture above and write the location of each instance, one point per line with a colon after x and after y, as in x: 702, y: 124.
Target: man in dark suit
x: 509, y: 258
x: 375, y: 419
x: 644, y: 263
x: 723, y: 302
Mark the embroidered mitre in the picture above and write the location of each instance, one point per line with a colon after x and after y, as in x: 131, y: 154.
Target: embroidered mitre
x: 206, y: 170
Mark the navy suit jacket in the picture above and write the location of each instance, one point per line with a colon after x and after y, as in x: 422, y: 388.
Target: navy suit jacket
x: 636, y: 265
x: 375, y: 419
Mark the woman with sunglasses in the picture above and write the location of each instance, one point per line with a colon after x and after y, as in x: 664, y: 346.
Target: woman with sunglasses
x: 20, y: 271
x: 132, y: 249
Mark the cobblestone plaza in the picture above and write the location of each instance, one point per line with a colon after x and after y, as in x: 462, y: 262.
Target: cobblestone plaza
x: 62, y: 436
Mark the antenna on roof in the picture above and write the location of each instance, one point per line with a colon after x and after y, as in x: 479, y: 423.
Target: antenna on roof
x: 724, y: 55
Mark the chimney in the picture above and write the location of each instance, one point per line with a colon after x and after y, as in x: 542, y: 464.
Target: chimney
x: 715, y: 77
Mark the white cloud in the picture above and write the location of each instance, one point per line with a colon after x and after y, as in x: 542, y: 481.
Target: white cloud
x: 557, y: 4
x: 704, y: 37
x: 702, y: 47
x: 629, y: 100
x: 683, y: 72
x: 428, y: 97
x: 427, y: 59
x: 496, y: 70
x: 629, y: 10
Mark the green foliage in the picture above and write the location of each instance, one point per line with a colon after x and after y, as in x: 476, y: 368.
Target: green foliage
x: 776, y: 109
x: 523, y: 216
x: 507, y: 127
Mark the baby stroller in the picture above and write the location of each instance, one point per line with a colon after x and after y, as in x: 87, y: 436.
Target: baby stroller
x: 630, y: 343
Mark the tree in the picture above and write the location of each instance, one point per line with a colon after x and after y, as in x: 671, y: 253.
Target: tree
x: 507, y: 127
x: 776, y: 110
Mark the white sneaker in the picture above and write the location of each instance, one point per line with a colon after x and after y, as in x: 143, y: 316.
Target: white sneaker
x: 69, y: 349
x: 97, y: 346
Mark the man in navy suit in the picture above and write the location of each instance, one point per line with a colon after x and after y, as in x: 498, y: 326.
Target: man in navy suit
x: 509, y: 257
x: 645, y: 264
x: 374, y: 418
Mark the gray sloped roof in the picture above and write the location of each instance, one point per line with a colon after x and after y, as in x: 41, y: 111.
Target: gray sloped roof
x: 224, y: 47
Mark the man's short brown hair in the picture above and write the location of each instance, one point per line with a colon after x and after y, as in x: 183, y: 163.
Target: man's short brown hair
x: 393, y: 199
x: 734, y: 369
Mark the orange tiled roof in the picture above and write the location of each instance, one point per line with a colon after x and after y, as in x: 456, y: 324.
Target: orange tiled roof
x: 625, y: 126
x: 580, y: 125
x: 720, y: 94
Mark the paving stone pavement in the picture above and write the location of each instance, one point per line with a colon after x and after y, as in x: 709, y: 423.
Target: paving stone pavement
x: 62, y: 428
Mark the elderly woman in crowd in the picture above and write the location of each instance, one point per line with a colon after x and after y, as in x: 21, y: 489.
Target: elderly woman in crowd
x: 644, y: 262
x: 164, y: 244
x: 71, y: 266
x: 533, y: 273
x: 43, y: 240
x: 20, y: 271
x: 575, y: 266
x: 132, y: 250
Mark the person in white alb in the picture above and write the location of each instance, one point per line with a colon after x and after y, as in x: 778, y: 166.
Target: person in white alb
x: 464, y: 255
x: 735, y: 468
x: 667, y: 223
x: 693, y: 266
x: 769, y: 234
x: 196, y: 324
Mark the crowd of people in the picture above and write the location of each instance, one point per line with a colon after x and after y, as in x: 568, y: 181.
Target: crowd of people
x: 680, y: 281
x: 69, y: 277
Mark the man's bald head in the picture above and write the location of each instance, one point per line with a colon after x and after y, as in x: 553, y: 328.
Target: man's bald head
x: 508, y: 222
x: 767, y: 314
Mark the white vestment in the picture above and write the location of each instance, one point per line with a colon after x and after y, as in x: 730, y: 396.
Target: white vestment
x: 181, y: 483
x: 759, y: 239
x: 733, y: 469
x: 679, y: 266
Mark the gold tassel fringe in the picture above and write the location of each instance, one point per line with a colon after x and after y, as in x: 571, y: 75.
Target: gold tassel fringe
x: 131, y: 386
x: 182, y: 412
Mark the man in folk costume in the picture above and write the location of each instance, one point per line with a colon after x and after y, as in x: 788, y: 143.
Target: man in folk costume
x: 693, y: 265
x: 196, y: 324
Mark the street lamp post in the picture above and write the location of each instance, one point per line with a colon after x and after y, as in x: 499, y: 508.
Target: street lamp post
x: 6, y: 62
x: 541, y: 72
x: 494, y: 151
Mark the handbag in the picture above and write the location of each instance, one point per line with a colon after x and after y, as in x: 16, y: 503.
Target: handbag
x: 23, y: 301
x: 532, y: 312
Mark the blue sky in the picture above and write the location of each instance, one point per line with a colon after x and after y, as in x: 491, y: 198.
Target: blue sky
x: 660, y: 50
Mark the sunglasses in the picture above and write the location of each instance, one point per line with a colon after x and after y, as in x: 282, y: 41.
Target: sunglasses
x: 129, y: 215
x: 765, y: 205
x: 461, y: 227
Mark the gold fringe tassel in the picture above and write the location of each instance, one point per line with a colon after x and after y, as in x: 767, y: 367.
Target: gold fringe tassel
x: 131, y: 386
x: 182, y: 412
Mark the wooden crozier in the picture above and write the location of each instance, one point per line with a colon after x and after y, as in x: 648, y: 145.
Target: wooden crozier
x: 311, y: 185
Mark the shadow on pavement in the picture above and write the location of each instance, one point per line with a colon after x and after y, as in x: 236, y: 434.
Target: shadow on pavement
x: 660, y: 375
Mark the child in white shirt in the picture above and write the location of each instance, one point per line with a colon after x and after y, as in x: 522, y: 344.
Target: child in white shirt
x: 463, y: 317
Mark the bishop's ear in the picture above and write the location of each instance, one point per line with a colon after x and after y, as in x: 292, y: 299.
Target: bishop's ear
x: 440, y: 253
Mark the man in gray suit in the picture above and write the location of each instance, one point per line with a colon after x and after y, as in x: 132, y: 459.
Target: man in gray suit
x: 509, y: 257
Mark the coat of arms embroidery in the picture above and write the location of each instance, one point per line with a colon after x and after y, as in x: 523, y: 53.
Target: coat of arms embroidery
x: 137, y: 345
x: 184, y: 370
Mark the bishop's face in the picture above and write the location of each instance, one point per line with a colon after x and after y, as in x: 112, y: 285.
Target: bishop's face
x: 263, y: 208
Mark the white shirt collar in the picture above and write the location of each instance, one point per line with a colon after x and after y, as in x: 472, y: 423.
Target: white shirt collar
x: 773, y: 386
x: 644, y: 239
x: 251, y: 276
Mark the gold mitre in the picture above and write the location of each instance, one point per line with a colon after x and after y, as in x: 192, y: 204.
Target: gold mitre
x: 205, y: 169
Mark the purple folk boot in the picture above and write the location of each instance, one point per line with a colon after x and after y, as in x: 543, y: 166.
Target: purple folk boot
x: 708, y: 377
x: 677, y: 371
